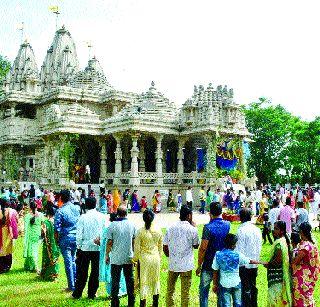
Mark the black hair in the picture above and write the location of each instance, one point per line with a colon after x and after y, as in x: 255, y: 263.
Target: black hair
x: 230, y: 240
x: 49, y: 210
x: 275, y: 203
x: 184, y: 212
x: 148, y: 217
x: 113, y: 217
x: 90, y: 202
x: 65, y: 196
x: 215, y: 208
x: 245, y: 215
x: 300, y: 204
x: 295, y: 238
x: 208, y: 191
x: 306, y: 228
x: 265, y: 217
x: 3, y: 205
x: 283, y: 227
x: 33, y: 208
x: 122, y: 211
x: 288, y: 201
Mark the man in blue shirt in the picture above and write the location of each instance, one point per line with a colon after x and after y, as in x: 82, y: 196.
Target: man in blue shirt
x: 65, y: 221
x: 212, y: 241
x: 120, y: 236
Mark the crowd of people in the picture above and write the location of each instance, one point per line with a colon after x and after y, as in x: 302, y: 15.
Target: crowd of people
x: 95, y: 231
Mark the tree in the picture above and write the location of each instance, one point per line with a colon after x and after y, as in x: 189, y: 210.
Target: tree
x: 4, y: 67
x: 271, y: 129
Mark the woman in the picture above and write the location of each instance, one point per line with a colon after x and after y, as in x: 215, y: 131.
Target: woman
x: 135, y: 206
x: 170, y: 202
x: 32, y: 228
x: 8, y: 232
x: 110, y: 202
x: 103, y: 203
x: 105, y: 269
x: 278, y: 269
x: 116, y: 199
x: 305, y: 268
x: 50, y: 249
x: 147, y: 253
x: 156, y: 202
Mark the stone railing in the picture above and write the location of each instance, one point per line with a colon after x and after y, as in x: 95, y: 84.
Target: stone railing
x: 170, y: 178
x: 148, y: 177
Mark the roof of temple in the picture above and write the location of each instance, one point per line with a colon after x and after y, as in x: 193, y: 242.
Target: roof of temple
x: 91, y: 78
x: 150, y: 109
x: 61, y: 61
x: 24, y: 67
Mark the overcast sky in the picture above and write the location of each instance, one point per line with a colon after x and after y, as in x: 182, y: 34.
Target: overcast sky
x: 259, y: 48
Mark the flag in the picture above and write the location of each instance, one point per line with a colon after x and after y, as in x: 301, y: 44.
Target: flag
x: 54, y: 9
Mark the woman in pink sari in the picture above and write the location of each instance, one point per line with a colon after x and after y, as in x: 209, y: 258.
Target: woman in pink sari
x: 305, y: 269
x: 8, y: 232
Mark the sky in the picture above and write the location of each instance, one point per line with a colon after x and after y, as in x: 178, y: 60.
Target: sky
x: 259, y: 48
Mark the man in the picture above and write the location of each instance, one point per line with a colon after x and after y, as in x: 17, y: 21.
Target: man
x: 202, y: 197
x: 76, y: 197
x: 89, y: 227
x: 287, y: 215
x: 212, y: 241
x: 178, y: 244
x: 250, y: 244
x: 65, y: 222
x: 258, y: 199
x: 120, y: 238
x: 302, y: 215
x: 189, y: 198
x: 274, y: 213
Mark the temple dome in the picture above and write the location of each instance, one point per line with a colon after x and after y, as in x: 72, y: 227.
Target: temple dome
x: 61, y: 61
x: 92, y: 78
x: 24, y: 70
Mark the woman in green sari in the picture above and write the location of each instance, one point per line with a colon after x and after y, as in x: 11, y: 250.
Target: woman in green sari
x: 50, y: 249
x: 32, y: 228
x: 278, y: 269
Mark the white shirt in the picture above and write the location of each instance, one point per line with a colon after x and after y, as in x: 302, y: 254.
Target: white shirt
x: 316, y: 197
x: 89, y: 227
x: 258, y: 196
x: 249, y: 242
x: 273, y: 216
x: 76, y: 196
x: 189, y: 196
x: 180, y: 238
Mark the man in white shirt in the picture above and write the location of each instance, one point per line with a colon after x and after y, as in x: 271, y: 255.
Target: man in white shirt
x: 250, y: 244
x: 189, y: 198
x: 258, y: 197
x: 315, y: 204
x: 274, y: 213
x: 76, y: 197
x: 89, y: 227
x: 178, y: 244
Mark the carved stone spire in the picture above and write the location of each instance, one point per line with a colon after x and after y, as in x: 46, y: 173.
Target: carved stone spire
x: 24, y: 73
x: 61, y: 61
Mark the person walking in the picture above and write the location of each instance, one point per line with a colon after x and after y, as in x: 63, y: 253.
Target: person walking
x: 178, y: 244
x: 202, y: 198
x: 65, y: 221
x: 147, y: 255
x: 89, y: 227
x: 189, y: 197
x: 119, y: 254
x: 250, y: 244
x: 213, y: 236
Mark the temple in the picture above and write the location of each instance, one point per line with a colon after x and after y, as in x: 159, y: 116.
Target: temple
x: 63, y: 124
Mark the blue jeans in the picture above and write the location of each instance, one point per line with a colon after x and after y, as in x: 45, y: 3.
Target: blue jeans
x: 231, y: 295
x: 204, y: 288
x: 203, y: 205
x: 68, y: 249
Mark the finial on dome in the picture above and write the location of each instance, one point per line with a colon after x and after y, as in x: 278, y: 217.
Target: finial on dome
x: 152, y: 83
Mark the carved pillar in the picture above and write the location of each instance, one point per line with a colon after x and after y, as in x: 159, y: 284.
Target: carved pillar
x: 180, y: 156
x: 103, y: 157
x: 134, y: 176
x: 118, y: 157
x: 142, y: 157
x: 242, y: 160
x: 211, y: 167
x: 60, y: 160
x: 159, y: 160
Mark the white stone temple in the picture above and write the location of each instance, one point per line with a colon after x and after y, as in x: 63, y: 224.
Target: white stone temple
x: 63, y: 123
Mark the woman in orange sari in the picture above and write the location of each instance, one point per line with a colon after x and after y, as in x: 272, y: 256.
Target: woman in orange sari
x: 116, y: 199
x: 8, y: 232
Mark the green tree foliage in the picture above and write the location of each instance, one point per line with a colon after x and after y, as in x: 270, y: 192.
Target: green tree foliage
x: 285, y: 148
x: 4, y: 67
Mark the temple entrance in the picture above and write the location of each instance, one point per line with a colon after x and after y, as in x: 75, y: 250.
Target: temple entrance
x: 86, y: 160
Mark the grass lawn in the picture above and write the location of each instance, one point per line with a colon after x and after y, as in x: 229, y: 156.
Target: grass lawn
x: 18, y: 288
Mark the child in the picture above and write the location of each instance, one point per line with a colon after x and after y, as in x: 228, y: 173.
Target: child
x: 179, y: 201
x: 266, y: 228
x: 143, y: 204
x: 227, y: 263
